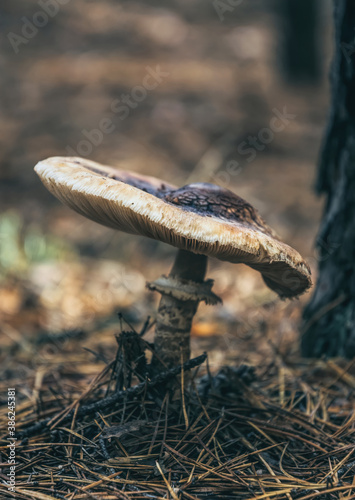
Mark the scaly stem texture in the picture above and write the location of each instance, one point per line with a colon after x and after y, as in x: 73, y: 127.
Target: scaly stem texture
x: 174, y: 319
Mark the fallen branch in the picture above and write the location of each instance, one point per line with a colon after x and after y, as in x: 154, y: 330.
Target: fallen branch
x: 105, y: 403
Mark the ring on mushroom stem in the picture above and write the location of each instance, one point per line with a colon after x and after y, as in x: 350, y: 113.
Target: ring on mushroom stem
x: 200, y: 219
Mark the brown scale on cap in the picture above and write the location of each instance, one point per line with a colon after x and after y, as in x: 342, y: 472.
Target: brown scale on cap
x: 203, y: 198
x: 214, y: 201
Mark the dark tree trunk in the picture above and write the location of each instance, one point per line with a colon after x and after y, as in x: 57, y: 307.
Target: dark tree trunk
x: 299, y: 48
x: 329, y: 318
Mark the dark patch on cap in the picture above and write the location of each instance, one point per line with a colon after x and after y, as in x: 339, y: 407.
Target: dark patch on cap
x: 213, y: 201
x: 132, y: 180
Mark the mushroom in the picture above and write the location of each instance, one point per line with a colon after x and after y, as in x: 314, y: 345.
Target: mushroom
x: 202, y: 220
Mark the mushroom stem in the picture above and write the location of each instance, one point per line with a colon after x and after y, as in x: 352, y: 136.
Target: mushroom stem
x: 175, y: 313
x: 189, y: 266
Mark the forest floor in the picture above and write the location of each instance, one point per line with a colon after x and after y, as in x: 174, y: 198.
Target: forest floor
x: 103, y: 430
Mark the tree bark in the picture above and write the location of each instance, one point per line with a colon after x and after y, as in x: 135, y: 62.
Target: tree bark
x: 299, y: 45
x: 329, y: 318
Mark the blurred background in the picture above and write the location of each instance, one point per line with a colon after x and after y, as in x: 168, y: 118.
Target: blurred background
x: 233, y: 92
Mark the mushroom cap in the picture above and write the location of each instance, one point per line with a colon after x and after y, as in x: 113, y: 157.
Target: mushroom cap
x: 202, y: 218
